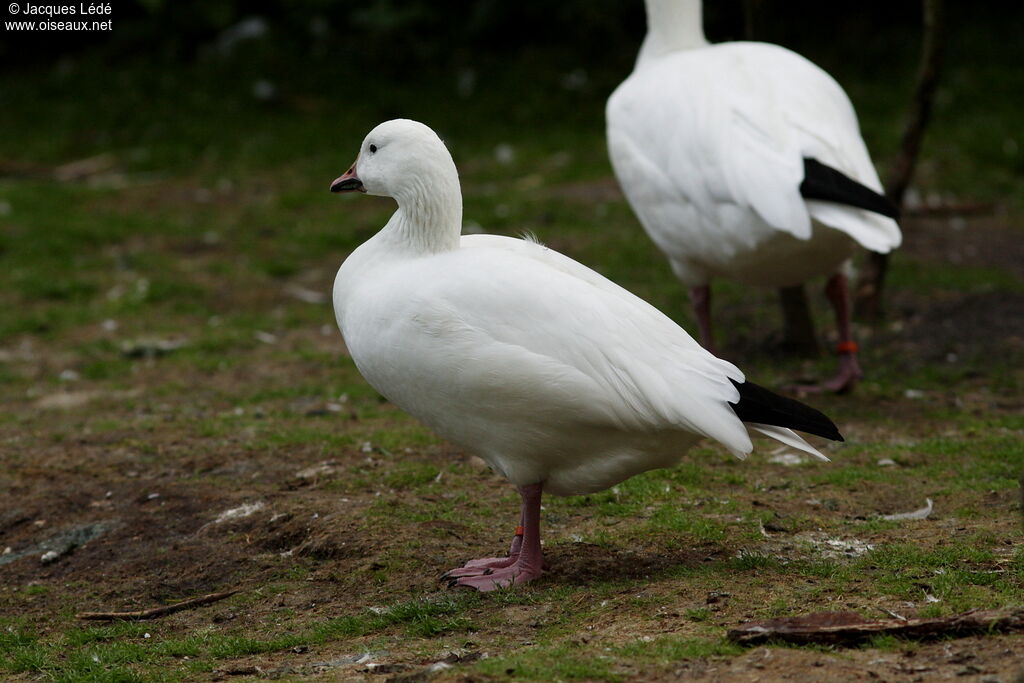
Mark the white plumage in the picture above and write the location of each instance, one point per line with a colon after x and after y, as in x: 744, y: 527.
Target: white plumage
x: 709, y: 141
x: 548, y: 371
x: 543, y: 367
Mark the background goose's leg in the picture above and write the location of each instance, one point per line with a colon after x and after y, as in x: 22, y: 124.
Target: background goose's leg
x: 797, y: 323
x: 529, y: 561
x: 838, y: 292
x: 700, y: 300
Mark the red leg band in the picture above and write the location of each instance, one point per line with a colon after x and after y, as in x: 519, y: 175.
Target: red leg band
x: 846, y: 347
x: 519, y: 531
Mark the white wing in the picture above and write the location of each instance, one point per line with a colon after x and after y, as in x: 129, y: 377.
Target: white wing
x: 541, y: 365
x: 702, y: 377
x: 728, y: 126
x: 552, y: 317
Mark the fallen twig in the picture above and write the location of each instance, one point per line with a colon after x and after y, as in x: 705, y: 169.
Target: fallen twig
x: 959, y: 209
x: 155, y: 612
x: 892, y: 614
x: 916, y: 514
x: 849, y: 627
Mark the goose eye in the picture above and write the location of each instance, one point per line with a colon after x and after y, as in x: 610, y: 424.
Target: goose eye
x: 373, y: 148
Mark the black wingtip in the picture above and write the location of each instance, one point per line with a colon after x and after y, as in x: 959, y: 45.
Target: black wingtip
x: 762, y: 406
x: 824, y: 182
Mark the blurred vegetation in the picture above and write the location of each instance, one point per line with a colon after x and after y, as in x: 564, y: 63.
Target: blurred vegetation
x: 228, y: 72
x: 207, y: 129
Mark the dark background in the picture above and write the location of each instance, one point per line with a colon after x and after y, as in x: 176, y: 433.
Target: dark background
x: 524, y: 64
x: 448, y: 33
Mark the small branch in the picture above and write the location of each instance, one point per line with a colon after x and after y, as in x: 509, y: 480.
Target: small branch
x: 902, y: 168
x: 1020, y: 482
x: 892, y: 614
x: 750, y: 18
x: 868, y: 297
x: 845, y: 628
x: 157, y: 611
x: 959, y: 209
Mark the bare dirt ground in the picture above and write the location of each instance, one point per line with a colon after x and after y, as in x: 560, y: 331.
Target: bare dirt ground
x: 161, y: 485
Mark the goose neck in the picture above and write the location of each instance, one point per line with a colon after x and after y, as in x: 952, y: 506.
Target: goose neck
x: 672, y: 26
x: 429, y: 216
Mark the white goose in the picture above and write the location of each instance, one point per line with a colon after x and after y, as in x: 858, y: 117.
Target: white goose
x: 745, y: 161
x: 558, y: 378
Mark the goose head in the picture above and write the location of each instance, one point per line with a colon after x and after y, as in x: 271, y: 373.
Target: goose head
x: 399, y: 159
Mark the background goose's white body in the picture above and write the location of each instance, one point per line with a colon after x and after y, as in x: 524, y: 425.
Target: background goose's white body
x: 708, y: 144
x: 538, y: 364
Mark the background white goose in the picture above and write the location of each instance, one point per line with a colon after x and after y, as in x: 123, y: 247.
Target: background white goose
x: 561, y: 380
x: 744, y: 160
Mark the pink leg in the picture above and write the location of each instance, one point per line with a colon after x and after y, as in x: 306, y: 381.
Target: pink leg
x: 700, y: 300
x: 838, y: 293
x: 484, y: 565
x: 527, y: 562
x: 513, y: 552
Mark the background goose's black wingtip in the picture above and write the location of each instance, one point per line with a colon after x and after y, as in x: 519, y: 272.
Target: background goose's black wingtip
x: 826, y: 183
x: 762, y: 406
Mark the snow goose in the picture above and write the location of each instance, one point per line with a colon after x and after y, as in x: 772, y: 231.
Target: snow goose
x: 561, y: 380
x: 744, y: 161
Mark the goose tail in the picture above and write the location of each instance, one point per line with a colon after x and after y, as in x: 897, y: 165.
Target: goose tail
x: 776, y: 416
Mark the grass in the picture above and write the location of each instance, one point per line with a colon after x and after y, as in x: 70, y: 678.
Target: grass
x: 564, y: 662
x: 121, y: 650
x: 214, y: 213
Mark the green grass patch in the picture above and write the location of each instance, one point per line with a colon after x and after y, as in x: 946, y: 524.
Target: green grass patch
x: 668, y: 649
x: 562, y: 662
x: 124, y: 651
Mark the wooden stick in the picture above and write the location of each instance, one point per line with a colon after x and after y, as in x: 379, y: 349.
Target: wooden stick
x: 870, y: 283
x: 843, y: 628
x: 157, y: 611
